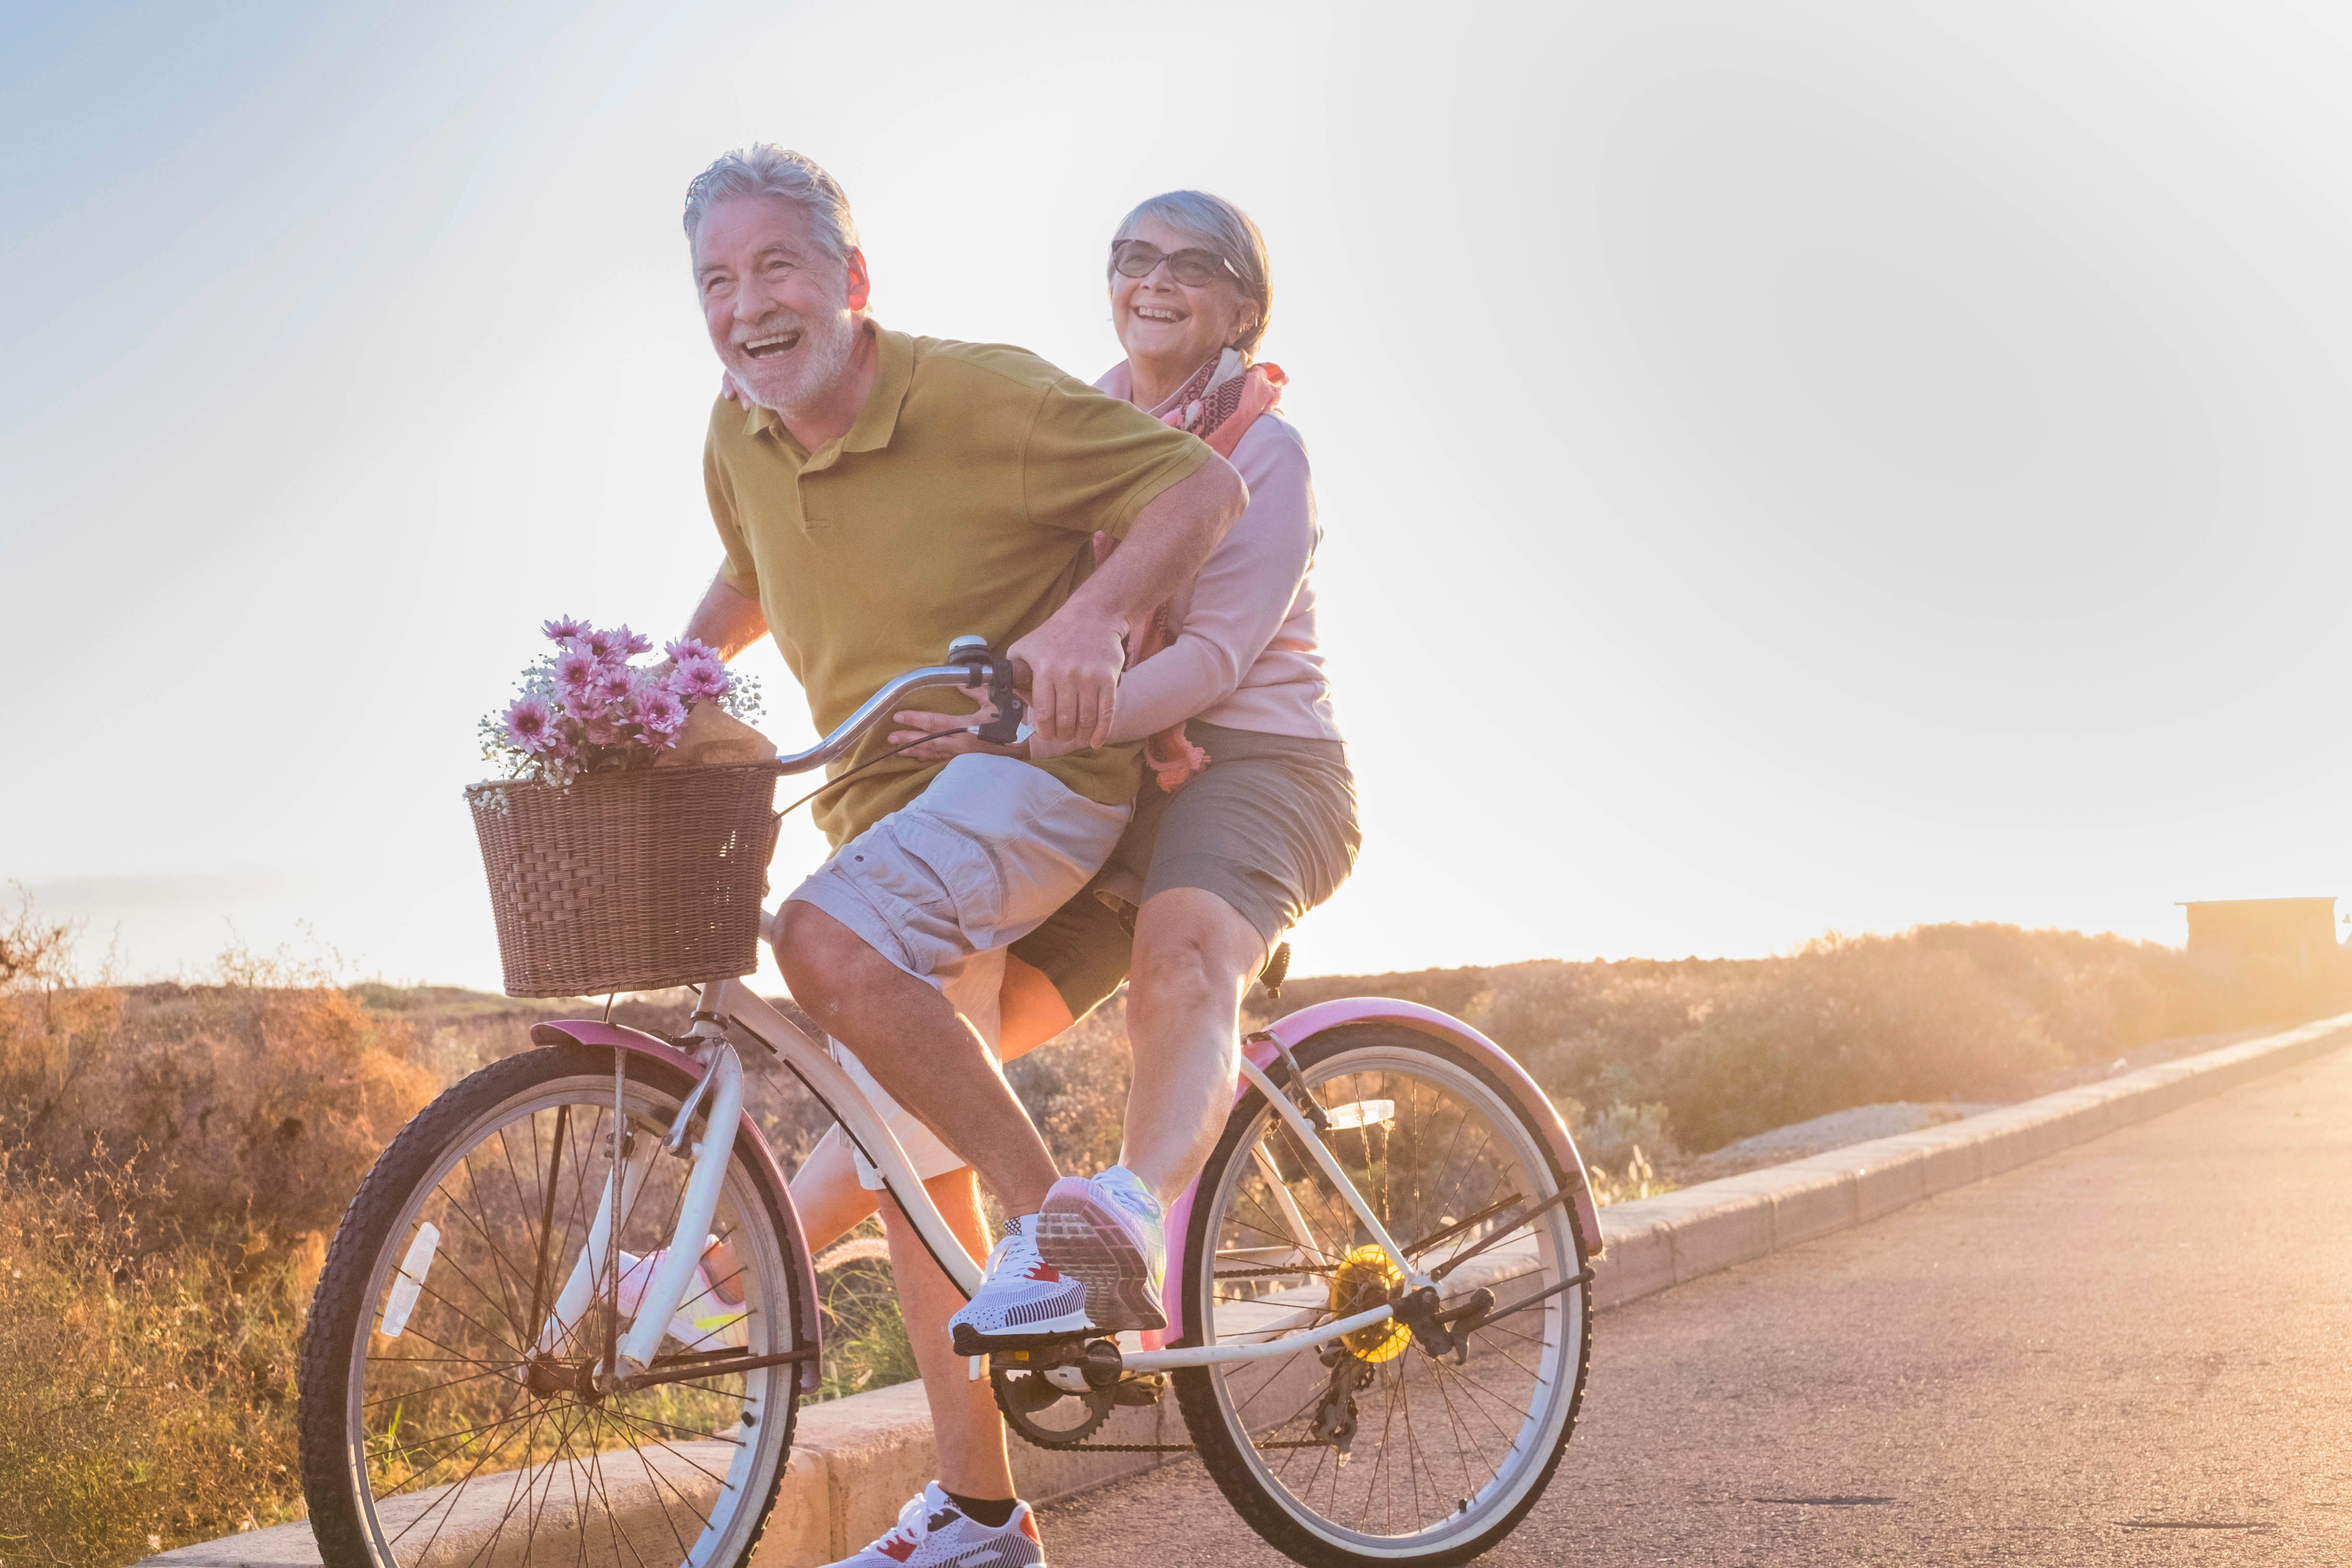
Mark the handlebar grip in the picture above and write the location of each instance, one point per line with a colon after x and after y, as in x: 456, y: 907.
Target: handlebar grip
x: 1021, y: 672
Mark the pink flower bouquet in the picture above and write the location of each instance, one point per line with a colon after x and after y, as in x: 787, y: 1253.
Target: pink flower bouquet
x: 585, y: 708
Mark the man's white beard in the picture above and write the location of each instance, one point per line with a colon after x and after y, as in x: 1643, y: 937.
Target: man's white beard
x: 822, y: 354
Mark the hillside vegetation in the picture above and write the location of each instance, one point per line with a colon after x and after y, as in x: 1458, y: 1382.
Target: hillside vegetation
x: 1708, y: 1050
x: 172, y: 1156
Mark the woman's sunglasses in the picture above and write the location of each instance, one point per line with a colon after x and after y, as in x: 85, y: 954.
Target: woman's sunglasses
x: 1191, y: 268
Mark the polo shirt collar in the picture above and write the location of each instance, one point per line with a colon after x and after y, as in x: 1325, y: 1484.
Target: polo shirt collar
x: 894, y: 373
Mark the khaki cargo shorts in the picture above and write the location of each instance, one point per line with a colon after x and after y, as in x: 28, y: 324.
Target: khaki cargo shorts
x: 943, y: 884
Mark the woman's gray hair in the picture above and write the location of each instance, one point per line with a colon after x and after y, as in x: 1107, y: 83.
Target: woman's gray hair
x: 764, y: 168
x: 1225, y: 231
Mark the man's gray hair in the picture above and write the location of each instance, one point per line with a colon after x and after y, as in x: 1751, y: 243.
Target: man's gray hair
x: 1224, y: 230
x: 764, y: 168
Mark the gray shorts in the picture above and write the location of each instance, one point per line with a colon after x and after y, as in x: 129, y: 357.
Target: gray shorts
x: 1269, y: 827
x: 944, y: 884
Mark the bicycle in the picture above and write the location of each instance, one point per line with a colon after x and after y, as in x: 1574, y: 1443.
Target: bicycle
x: 570, y: 1313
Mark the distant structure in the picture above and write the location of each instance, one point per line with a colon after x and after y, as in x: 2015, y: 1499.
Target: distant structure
x: 2295, y: 928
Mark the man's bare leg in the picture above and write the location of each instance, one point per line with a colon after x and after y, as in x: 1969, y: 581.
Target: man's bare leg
x: 926, y: 1056
x: 1195, y: 957
x: 965, y: 1426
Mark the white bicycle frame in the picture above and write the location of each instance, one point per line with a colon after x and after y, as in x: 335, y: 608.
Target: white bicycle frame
x: 733, y: 1018
x: 729, y: 1018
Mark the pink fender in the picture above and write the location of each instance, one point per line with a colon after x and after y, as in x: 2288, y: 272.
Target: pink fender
x: 1294, y: 1030
x: 588, y: 1032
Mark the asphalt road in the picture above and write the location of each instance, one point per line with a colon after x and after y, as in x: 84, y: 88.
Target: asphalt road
x: 2139, y: 1351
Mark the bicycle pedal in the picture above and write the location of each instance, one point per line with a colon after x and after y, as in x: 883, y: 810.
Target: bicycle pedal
x: 1143, y: 1389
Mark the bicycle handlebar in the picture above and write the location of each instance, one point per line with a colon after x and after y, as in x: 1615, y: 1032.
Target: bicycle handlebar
x: 982, y: 669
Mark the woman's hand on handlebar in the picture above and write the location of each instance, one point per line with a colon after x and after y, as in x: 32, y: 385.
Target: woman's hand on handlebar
x: 951, y: 731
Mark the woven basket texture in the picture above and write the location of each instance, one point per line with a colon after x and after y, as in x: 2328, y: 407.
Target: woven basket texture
x: 627, y: 881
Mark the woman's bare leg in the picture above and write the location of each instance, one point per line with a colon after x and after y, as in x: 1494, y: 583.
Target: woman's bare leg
x: 1195, y: 957
x: 827, y: 1194
x: 965, y: 1426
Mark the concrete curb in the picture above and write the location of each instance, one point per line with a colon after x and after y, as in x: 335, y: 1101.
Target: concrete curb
x: 855, y: 1460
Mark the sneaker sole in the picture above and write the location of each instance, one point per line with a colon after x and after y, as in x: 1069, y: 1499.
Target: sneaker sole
x: 1060, y: 1331
x: 1086, y: 1241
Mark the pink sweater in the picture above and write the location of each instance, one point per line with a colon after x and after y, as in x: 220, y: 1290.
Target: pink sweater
x: 1244, y: 654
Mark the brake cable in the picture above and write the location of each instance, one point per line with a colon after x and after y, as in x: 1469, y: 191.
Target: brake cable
x: 1003, y: 729
x: 846, y: 775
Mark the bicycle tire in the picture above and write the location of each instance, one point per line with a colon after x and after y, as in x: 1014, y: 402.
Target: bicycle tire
x: 342, y: 1308
x: 1247, y: 1486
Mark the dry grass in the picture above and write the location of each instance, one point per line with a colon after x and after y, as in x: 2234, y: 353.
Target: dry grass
x: 866, y: 1342
x: 172, y: 1158
x: 1076, y: 1088
x: 146, y: 1395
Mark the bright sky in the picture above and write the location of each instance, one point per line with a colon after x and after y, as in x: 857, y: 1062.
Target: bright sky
x: 1785, y: 466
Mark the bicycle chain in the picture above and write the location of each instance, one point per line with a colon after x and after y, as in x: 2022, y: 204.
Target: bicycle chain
x: 1275, y: 1271
x: 1155, y: 1448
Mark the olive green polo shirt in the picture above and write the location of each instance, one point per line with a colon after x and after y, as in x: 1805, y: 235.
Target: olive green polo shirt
x: 964, y: 501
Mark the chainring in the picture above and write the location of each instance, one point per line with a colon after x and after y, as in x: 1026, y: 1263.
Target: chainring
x: 1025, y: 1395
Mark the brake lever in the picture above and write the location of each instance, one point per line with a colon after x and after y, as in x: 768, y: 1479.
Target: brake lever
x: 974, y: 654
x: 1005, y: 728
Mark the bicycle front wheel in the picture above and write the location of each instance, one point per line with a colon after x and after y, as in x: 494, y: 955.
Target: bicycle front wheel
x: 1380, y: 1449
x: 450, y: 1407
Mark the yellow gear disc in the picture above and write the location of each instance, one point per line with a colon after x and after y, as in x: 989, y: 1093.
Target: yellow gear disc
x: 1364, y: 1280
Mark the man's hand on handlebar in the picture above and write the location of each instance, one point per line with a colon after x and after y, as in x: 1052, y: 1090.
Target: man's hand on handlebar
x: 1074, y: 662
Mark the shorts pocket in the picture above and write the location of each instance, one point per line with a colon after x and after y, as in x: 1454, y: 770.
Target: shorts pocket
x: 969, y: 885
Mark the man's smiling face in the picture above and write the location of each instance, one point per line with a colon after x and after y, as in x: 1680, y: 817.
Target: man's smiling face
x: 780, y: 307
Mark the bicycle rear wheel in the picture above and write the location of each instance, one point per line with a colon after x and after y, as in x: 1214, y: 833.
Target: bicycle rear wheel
x: 1378, y: 1451
x: 443, y: 1420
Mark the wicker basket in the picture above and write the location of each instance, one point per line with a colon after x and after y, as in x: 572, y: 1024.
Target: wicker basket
x: 627, y: 881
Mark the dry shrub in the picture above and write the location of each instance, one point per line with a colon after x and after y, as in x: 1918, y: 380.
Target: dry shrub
x: 254, y: 1106
x: 146, y: 1397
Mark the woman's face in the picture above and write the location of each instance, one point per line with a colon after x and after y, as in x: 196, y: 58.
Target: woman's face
x: 1160, y: 319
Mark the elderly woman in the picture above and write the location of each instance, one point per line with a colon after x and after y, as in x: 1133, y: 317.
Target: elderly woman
x: 1247, y: 820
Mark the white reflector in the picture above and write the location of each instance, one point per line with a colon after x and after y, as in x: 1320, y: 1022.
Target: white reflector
x: 408, y: 1282
x: 1363, y: 1113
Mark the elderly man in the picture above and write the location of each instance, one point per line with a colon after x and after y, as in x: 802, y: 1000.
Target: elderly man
x: 883, y: 495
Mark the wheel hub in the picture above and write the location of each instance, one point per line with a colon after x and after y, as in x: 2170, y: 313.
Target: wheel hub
x: 549, y: 1378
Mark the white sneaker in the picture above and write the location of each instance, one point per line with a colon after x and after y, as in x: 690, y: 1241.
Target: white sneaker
x: 705, y: 1320
x: 1108, y: 1235
x: 1021, y: 1302
x: 932, y: 1532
